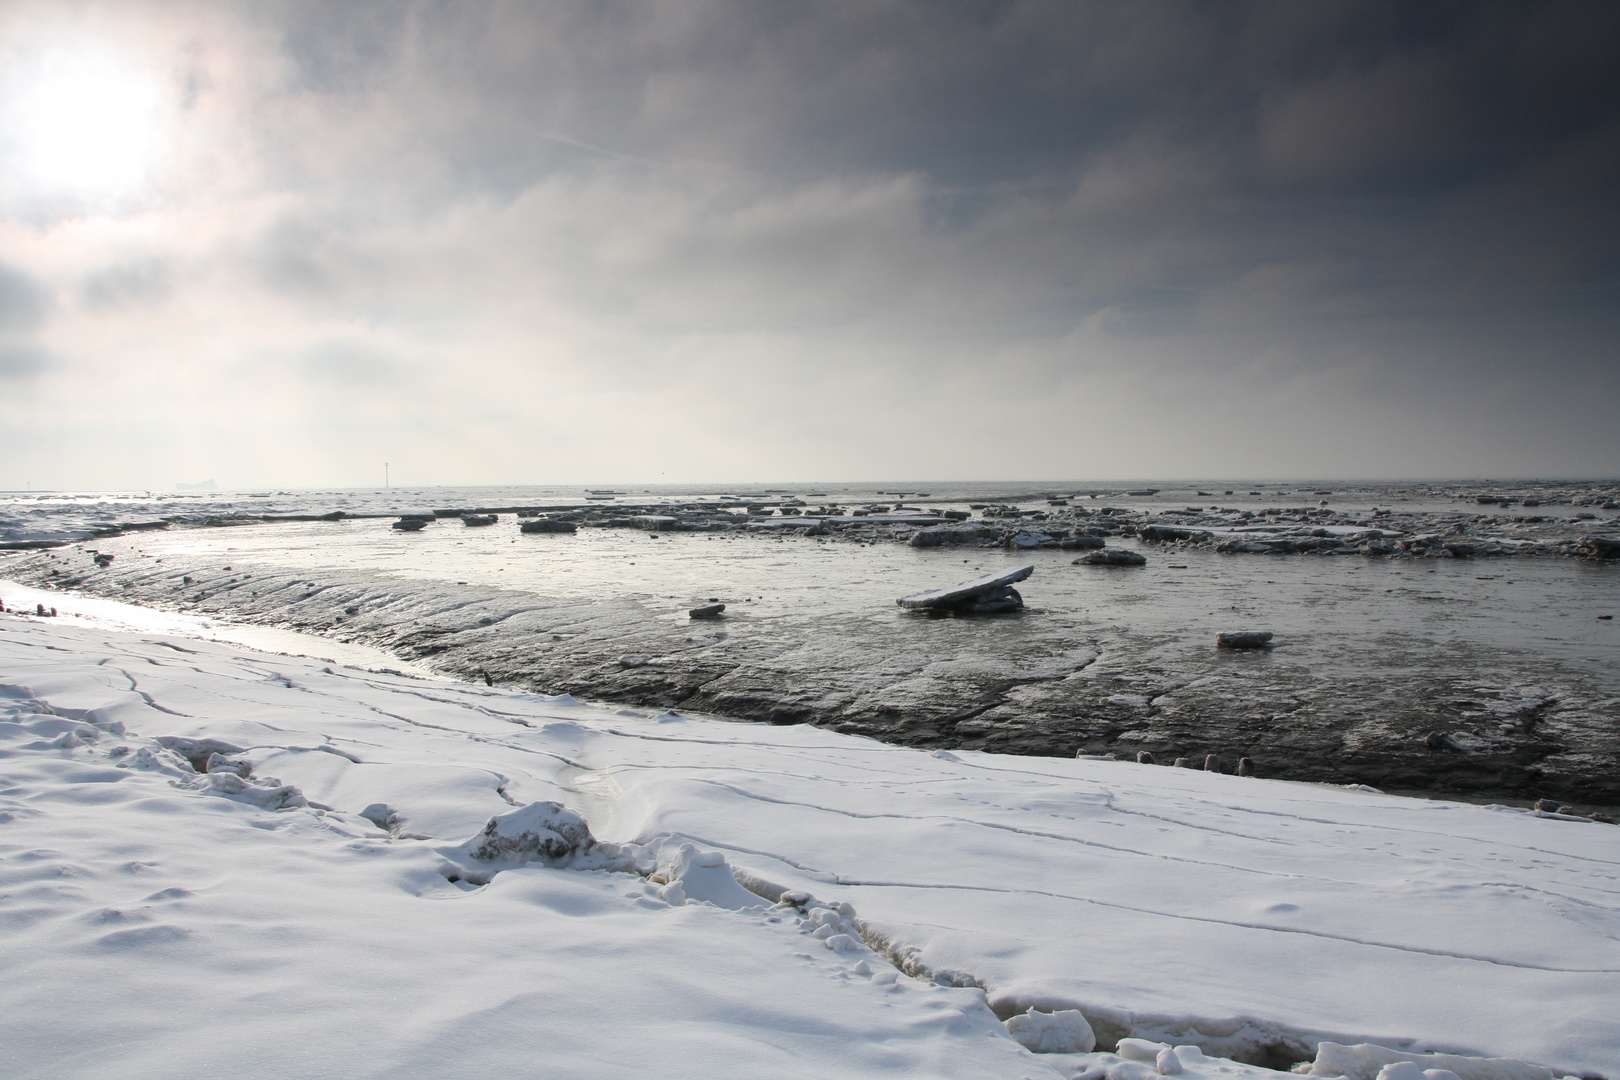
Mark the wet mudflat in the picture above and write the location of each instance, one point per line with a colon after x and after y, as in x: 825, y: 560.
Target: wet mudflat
x: 1506, y: 659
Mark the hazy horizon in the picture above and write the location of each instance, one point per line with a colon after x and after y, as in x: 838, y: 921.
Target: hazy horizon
x: 698, y: 486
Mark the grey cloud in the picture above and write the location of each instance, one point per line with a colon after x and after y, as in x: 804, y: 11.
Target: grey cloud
x: 309, y: 254
x: 147, y: 282
x: 965, y: 94
x: 288, y: 260
x: 24, y: 307
x: 1405, y: 115
x: 1080, y: 156
x: 23, y: 302
x: 350, y: 366
x: 22, y: 361
x: 1252, y: 133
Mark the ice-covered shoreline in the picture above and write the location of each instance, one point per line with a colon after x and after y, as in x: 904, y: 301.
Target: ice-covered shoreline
x: 1248, y: 917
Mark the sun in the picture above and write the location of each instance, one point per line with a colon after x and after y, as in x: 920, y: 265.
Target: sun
x: 84, y: 123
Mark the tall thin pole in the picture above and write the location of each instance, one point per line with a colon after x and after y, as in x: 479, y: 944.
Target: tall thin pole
x: 385, y: 474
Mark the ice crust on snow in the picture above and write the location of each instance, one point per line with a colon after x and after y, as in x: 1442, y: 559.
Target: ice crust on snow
x: 982, y: 883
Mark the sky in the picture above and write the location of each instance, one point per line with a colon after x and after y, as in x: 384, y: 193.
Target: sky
x: 280, y: 244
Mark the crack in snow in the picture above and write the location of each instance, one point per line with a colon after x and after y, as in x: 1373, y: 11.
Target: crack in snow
x: 148, y: 698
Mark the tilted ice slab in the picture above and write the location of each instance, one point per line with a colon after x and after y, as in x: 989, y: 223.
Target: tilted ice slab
x: 1243, y: 916
x: 966, y: 590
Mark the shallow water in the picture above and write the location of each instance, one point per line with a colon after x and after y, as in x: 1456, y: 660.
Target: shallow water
x: 1342, y: 611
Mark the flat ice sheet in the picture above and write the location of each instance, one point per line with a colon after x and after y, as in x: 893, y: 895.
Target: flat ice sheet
x: 197, y: 931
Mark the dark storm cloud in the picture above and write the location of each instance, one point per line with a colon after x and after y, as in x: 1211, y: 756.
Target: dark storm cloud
x: 1389, y: 135
x: 982, y: 93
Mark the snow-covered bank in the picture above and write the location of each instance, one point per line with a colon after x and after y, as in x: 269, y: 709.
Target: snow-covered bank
x: 185, y: 922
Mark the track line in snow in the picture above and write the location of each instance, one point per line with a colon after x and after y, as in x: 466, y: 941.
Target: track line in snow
x: 952, y: 819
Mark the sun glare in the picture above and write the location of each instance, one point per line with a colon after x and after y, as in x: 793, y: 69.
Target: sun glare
x: 85, y: 124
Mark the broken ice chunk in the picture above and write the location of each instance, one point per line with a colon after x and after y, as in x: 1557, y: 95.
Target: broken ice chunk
x: 219, y: 763
x: 269, y: 793
x: 162, y: 761
x: 1063, y: 1032
x: 197, y: 751
x: 991, y: 589
x: 1244, y: 639
x: 704, y: 875
x: 1139, y: 1050
x: 1411, y: 1070
x: 1368, y: 1061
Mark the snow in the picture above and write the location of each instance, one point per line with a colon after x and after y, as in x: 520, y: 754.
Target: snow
x: 1144, y: 1059
x: 1366, y: 1062
x: 1063, y: 1032
x: 362, y: 883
